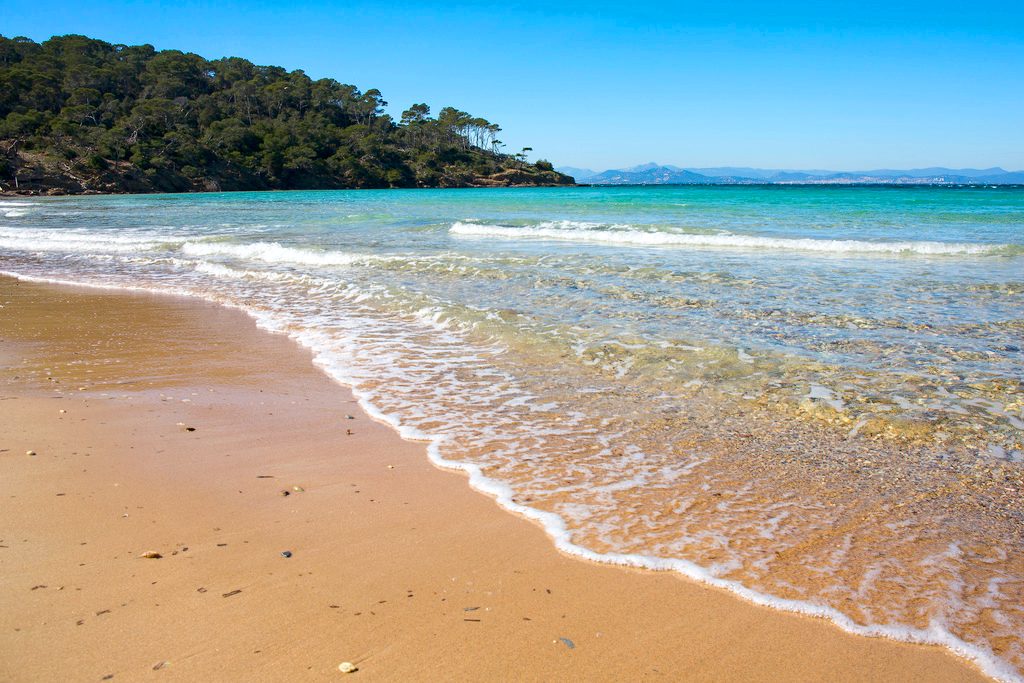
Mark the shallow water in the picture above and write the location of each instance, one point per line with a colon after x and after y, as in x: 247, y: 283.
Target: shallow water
x: 813, y: 396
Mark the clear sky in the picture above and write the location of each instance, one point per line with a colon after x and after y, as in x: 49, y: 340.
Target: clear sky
x: 828, y: 84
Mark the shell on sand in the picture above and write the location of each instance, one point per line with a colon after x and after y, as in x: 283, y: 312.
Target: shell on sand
x: 151, y: 555
x: 347, y: 667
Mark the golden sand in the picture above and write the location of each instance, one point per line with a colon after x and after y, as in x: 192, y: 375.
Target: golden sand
x: 173, y: 427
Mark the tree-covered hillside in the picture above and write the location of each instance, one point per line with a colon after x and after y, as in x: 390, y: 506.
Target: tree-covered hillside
x: 83, y: 115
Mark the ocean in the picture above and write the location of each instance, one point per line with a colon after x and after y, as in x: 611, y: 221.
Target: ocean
x: 810, y: 396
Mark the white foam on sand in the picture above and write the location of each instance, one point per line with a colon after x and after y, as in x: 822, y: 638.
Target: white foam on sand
x: 321, y: 343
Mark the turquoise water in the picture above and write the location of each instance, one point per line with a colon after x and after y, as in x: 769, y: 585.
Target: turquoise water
x: 812, y: 396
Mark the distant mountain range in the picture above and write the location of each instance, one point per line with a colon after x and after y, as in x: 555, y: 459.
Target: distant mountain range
x: 658, y: 174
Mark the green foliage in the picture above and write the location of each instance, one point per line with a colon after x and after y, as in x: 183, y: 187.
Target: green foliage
x: 18, y: 124
x: 181, y: 120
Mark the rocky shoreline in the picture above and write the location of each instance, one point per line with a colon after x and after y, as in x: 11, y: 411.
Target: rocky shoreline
x: 43, y: 175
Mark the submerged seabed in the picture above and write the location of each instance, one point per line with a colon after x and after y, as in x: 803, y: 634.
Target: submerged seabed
x: 811, y: 396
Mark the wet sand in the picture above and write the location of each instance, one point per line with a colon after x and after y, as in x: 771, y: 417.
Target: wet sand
x: 183, y: 425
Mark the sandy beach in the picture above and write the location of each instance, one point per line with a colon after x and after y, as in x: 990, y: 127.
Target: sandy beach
x: 133, y: 424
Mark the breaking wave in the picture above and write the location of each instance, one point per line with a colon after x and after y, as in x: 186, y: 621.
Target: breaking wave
x: 273, y: 252
x: 616, y: 234
x: 76, y: 241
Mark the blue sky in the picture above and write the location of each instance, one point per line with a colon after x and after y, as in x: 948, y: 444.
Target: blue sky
x: 841, y: 85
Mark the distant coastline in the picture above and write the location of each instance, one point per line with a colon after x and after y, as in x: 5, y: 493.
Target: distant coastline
x: 658, y: 174
x: 951, y: 185
x: 845, y: 185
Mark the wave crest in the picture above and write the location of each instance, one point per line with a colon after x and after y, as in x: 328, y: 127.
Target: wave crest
x: 592, y: 232
x: 273, y: 252
x: 77, y: 241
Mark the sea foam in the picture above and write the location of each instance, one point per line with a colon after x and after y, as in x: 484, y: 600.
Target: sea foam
x: 590, y: 232
x: 404, y: 339
x: 273, y: 252
x: 76, y: 241
x: 326, y: 356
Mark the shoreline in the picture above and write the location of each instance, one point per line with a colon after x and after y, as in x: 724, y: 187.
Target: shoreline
x: 659, y: 618
x: 32, y: 194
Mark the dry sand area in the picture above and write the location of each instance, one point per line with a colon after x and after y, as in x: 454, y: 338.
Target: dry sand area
x: 172, y: 426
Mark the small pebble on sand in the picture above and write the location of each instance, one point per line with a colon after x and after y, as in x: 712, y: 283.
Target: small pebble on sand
x: 347, y: 668
x: 151, y: 555
x: 30, y: 452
